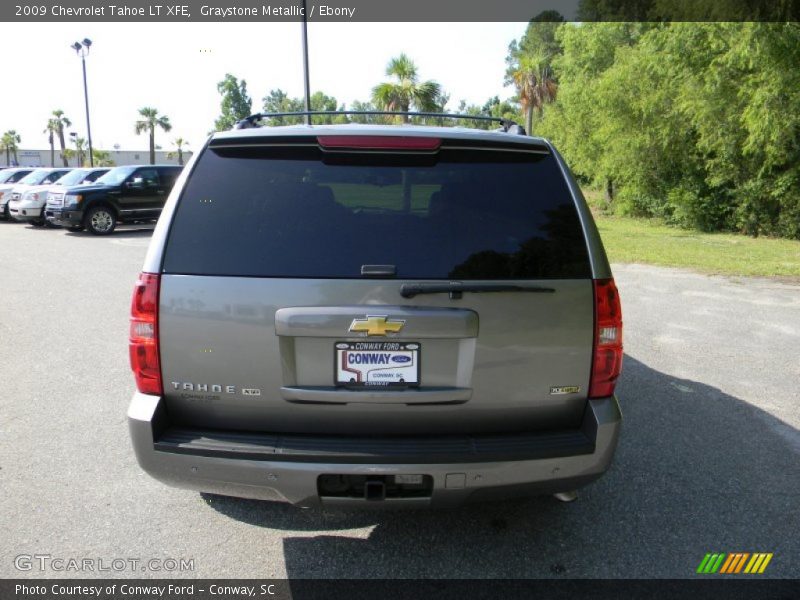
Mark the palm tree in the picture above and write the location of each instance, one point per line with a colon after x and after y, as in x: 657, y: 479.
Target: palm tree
x: 61, y: 123
x: 50, y: 130
x: 179, y: 144
x: 102, y: 158
x: 407, y: 91
x: 533, y: 78
x: 150, y: 120
x: 80, y: 148
x: 11, y: 141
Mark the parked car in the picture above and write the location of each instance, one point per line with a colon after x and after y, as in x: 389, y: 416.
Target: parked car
x: 54, y: 195
x: 8, y: 178
x: 32, y: 187
x: 130, y: 194
x: 30, y: 205
x: 375, y: 315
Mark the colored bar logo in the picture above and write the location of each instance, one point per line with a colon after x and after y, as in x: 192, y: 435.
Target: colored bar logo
x: 734, y: 562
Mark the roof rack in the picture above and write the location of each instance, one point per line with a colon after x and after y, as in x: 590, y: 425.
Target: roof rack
x: 506, y: 125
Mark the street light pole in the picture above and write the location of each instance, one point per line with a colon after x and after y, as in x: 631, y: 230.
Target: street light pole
x: 305, y: 63
x: 82, y: 49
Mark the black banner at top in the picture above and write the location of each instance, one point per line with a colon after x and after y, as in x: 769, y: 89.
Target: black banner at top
x: 391, y: 11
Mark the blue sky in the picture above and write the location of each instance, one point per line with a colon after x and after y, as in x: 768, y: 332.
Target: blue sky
x: 175, y: 68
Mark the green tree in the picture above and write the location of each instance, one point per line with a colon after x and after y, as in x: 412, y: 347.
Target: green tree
x: 407, y: 91
x: 533, y: 78
x: 179, y: 145
x: 322, y: 102
x: 742, y: 99
x: 80, y: 150
x: 502, y: 108
x: 577, y: 121
x: 493, y: 107
x: 529, y: 65
x: 51, y: 130
x: 278, y: 101
x: 102, y: 158
x: 627, y: 10
x: 10, y: 142
x: 61, y: 122
x: 148, y: 123
x: 541, y: 35
x: 707, y: 139
x: 236, y: 104
x: 358, y: 105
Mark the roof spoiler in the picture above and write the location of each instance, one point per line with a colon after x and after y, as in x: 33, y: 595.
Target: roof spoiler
x: 506, y: 125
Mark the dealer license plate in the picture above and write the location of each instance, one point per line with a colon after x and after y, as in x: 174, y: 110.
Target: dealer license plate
x: 377, y: 364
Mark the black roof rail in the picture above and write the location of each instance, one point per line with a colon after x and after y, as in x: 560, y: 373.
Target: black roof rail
x: 506, y: 125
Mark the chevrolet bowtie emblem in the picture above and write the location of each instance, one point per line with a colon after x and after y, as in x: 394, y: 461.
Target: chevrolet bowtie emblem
x: 372, y: 325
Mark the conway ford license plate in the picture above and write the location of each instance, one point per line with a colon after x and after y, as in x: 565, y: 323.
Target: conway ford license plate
x: 378, y: 364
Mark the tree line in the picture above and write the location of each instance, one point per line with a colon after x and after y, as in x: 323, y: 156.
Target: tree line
x: 694, y: 123
x: 57, y: 123
x: 403, y: 92
x: 697, y: 124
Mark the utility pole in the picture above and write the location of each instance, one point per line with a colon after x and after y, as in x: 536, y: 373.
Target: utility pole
x: 305, y: 63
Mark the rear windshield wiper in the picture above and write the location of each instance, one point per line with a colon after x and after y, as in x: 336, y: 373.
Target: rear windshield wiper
x: 455, y: 290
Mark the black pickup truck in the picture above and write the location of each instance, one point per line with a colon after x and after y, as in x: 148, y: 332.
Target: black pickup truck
x: 128, y: 194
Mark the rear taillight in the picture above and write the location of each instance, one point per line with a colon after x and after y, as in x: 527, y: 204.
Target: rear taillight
x: 607, y: 352
x: 144, y: 335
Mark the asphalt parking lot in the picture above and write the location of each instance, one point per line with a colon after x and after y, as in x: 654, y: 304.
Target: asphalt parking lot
x: 709, y: 459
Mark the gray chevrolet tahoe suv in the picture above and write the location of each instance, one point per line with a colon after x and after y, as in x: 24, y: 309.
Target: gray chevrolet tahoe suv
x: 375, y: 315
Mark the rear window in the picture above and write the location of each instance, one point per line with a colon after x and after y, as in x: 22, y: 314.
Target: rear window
x: 297, y: 211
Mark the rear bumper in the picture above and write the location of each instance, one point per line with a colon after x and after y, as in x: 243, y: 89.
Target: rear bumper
x: 287, y: 468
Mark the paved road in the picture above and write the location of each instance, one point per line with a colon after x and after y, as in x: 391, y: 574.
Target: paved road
x: 708, y: 459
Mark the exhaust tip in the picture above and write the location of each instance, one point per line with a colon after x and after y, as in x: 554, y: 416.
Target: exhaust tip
x: 566, y: 496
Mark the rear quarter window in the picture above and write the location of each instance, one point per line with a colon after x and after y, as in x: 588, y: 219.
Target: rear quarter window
x: 296, y: 211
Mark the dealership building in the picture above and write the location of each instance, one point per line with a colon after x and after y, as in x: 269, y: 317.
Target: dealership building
x: 41, y: 158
